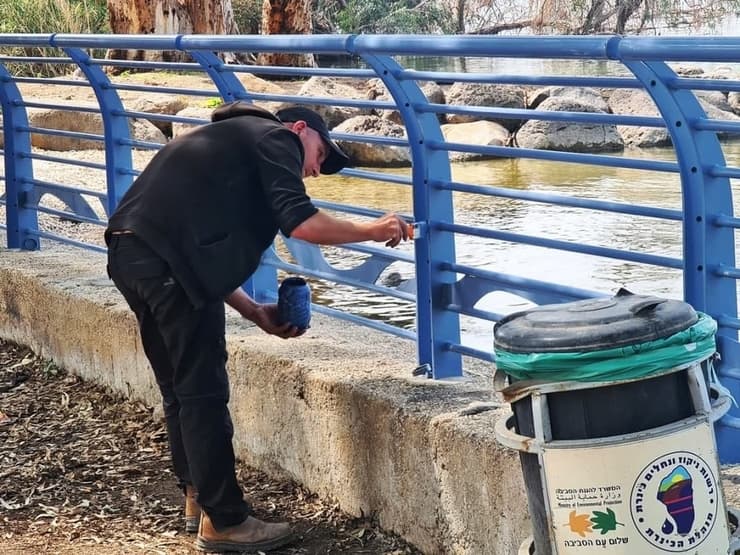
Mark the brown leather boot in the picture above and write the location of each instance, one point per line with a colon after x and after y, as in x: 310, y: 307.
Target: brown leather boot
x: 192, y: 510
x: 250, y: 536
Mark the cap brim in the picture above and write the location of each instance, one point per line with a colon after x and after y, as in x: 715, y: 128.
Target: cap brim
x: 336, y: 160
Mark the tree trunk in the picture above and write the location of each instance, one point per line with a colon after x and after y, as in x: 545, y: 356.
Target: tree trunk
x: 460, y: 27
x: 168, y: 17
x: 286, y: 17
x: 625, y: 10
x: 594, y: 18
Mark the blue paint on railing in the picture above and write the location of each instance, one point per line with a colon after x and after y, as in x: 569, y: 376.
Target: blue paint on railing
x: 443, y: 289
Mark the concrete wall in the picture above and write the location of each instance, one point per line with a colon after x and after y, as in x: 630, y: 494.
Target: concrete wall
x: 336, y: 410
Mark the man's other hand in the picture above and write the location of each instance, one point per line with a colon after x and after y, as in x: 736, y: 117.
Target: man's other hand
x: 266, y: 317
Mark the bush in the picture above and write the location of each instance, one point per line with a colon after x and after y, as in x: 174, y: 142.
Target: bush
x: 49, y: 16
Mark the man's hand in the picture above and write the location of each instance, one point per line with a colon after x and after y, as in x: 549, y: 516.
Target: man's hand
x: 264, y: 315
x: 390, y: 228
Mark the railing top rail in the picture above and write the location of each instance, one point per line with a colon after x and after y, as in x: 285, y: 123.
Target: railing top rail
x: 683, y: 49
x: 707, y: 48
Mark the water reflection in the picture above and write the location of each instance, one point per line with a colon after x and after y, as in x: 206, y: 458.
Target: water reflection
x: 641, y: 234
x: 513, y: 66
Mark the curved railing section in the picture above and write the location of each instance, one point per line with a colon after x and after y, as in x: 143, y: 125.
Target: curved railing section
x: 445, y: 288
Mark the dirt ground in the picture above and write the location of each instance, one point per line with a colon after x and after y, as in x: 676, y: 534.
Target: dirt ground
x: 83, y: 472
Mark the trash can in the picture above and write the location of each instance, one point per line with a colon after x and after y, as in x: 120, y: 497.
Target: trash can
x: 613, y: 418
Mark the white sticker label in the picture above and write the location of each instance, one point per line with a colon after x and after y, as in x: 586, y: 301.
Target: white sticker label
x: 658, y: 495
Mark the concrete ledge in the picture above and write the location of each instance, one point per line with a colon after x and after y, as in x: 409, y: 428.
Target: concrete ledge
x: 336, y: 410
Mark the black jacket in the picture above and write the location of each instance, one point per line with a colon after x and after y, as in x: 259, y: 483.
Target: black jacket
x: 211, y: 202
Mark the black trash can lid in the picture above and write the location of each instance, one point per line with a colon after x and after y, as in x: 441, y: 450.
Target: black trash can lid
x: 593, y: 324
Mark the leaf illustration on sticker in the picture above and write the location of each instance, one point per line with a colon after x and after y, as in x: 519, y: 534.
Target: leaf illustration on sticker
x: 605, y: 521
x: 579, y: 524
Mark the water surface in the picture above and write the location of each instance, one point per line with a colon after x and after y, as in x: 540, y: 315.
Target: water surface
x: 626, y: 232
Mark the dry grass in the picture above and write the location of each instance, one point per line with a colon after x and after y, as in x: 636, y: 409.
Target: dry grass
x: 85, y: 471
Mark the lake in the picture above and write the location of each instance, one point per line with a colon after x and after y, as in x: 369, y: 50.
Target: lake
x: 570, y: 224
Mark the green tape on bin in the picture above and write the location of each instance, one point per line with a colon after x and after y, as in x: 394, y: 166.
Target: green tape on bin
x: 633, y: 361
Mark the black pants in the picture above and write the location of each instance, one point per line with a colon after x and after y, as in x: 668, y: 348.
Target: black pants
x: 186, y: 348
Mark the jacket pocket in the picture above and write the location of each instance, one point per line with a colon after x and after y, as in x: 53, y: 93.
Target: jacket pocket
x: 146, y: 268
x: 213, y: 240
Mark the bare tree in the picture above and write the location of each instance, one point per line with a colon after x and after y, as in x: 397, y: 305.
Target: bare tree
x: 286, y: 17
x: 143, y: 17
x: 484, y: 17
x: 625, y: 16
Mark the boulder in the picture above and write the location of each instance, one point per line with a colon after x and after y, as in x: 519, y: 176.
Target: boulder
x: 484, y: 95
x: 160, y: 104
x: 722, y: 72
x: 82, y: 122
x: 733, y: 99
x: 254, y: 84
x: 143, y: 130
x: 584, y: 95
x: 713, y: 112
x: 199, y: 112
x: 637, y: 102
x: 717, y: 99
x: 688, y: 71
x: 487, y: 133
x: 376, y: 90
x: 567, y: 136
x: 373, y: 155
x: 326, y: 87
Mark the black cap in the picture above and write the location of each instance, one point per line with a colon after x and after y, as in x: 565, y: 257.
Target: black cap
x: 335, y: 159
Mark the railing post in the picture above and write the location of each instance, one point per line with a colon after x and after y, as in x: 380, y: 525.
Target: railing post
x: 18, y: 167
x: 118, y: 161
x: 226, y: 82
x: 262, y: 286
x: 436, y: 326
x: 706, y: 246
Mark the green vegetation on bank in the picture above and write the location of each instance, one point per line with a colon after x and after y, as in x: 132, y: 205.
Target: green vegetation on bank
x: 59, y: 16
x: 43, y: 16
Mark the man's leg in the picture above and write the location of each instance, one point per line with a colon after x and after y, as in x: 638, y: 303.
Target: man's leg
x: 192, y: 342
x: 195, y: 342
x: 127, y: 263
x: 156, y: 352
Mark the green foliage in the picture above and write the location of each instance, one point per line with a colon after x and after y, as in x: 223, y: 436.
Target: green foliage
x: 325, y: 16
x: 394, y: 16
x: 54, y: 16
x: 213, y: 103
x: 247, y: 16
x: 50, y: 370
x: 49, y: 16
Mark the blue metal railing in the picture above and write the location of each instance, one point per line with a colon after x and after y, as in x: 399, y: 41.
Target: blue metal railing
x: 444, y: 289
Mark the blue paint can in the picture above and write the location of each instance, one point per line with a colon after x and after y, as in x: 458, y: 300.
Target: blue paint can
x: 294, y: 302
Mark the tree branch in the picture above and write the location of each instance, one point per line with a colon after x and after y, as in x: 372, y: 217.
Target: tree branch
x: 496, y: 29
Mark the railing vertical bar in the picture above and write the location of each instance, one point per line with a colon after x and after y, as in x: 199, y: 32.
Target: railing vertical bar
x: 21, y: 222
x: 436, y: 326
x: 115, y: 128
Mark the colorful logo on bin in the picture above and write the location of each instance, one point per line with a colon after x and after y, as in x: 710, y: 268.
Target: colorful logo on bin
x: 674, y: 501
